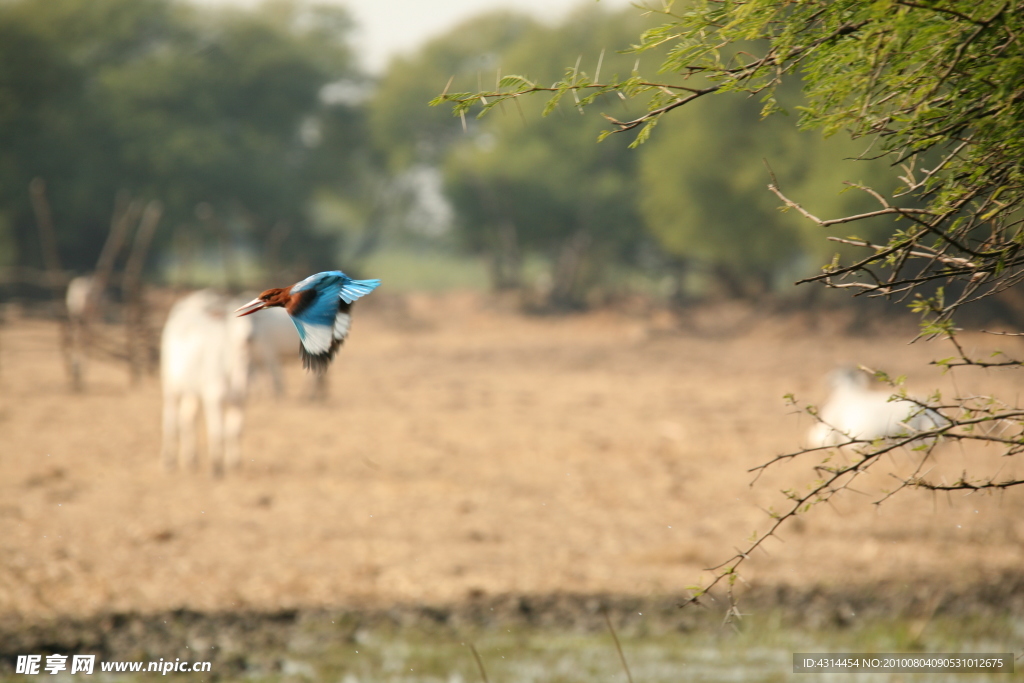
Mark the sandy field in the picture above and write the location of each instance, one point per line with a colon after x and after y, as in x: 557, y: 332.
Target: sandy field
x: 468, y: 450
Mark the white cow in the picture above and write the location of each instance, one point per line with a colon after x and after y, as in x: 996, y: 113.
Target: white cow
x: 275, y: 339
x: 853, y: 411
x: 205, y: 356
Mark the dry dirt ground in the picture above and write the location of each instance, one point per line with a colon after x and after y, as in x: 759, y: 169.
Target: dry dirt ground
x: 466, y: 450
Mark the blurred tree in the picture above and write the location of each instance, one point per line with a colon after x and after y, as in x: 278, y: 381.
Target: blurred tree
x: 416, y: 140
x: 410, y: 133
x: 220, y: 114
x: 525, y: 184
x: 933, y: 88
x: 231, y: 115
x: 555, y: 195
x: 702, y: 194
x: 51, y: 120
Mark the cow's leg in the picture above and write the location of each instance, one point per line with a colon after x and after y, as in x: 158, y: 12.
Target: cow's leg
x: 234, y: 418
x: 274, y: 368
x: 169, y: 448
x: 214, y: 411
x: 188, y: 412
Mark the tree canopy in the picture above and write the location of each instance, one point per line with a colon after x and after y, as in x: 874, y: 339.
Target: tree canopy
x: 521, y: 185
x: 527, y: 187
x: 220, y: 110
x: 936, y: 87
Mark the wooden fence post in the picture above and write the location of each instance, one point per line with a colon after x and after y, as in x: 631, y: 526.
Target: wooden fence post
x: 138, y: 334
x: 55, y: 275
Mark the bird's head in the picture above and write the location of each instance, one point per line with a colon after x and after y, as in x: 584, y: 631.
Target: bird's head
x: 268, y: 299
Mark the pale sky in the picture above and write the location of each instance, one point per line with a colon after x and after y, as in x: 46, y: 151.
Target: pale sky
x: 389, y: 27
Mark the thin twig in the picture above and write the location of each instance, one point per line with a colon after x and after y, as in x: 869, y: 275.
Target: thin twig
x: 479, y: 662
x: 618, y: 647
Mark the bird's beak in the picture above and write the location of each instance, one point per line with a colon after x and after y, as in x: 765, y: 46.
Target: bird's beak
x: 251, y: 307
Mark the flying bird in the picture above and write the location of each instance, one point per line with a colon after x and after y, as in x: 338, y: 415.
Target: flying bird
x: 320, y: 308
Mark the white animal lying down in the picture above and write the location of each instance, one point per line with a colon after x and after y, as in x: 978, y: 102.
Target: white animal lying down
x: 855, y: 412
x: 205, y: 356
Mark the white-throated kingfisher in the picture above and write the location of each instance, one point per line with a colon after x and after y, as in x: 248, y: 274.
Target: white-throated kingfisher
x: 321, y: 309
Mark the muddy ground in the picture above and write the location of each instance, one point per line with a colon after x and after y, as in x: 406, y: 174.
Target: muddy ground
x: 469, y: 453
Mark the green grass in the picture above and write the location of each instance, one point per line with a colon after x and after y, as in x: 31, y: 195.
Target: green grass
x: 405, y: 271
x: 758, y: 650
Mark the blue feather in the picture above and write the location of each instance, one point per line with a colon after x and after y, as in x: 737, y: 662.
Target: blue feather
x: 336, y: 282
x: 353, y: 289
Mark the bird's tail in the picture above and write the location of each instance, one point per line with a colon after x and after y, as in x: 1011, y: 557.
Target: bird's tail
x: 353, y: 289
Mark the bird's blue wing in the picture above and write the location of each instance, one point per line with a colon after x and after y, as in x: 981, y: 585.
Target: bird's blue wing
x: 320, y: 280
x: 336, y: 283
x: 353, y: 289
